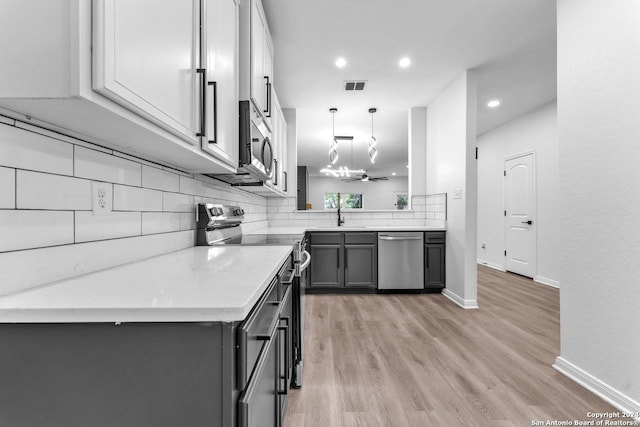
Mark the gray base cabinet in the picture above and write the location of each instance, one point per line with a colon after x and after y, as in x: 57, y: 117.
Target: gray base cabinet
x: 348, y: 261
x: 128, y: 375
x: 197, y: 374
x: 360, y: 266
x: 434, y: 260
x: 326, y: 266
x: 343, y: 260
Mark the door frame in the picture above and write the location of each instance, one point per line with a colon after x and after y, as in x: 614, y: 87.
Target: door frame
x: 531, y: 152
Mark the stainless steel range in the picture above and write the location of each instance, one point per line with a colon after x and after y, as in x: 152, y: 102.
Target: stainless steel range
x: 221, y: 225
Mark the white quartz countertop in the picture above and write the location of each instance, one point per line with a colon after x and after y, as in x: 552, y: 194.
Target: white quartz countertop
x: 200, y: 284
x: 377, y: 228
x: 301, y: 230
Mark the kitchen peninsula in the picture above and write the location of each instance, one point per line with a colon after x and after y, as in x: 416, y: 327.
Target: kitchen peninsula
x: 152, y: 343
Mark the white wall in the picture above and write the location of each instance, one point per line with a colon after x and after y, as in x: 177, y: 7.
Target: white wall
x: 417, y: 151
x: 375, y: 195
x: 47, y: 230
x: 451, y: 167
x: 599, y: 158
x: 534, y: 131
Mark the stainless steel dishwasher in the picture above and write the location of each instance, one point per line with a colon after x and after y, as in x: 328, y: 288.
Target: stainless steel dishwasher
x: 401, y: 260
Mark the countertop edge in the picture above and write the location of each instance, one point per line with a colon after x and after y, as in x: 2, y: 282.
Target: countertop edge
x: 116, y: 315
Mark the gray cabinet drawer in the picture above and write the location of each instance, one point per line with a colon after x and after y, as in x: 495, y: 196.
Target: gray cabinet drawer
x: 326, y: 238
x: 254, y: 331
x: 360, y: 238
x: 434, y: 236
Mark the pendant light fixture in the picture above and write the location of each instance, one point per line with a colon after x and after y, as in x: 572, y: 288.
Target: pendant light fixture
x: 373, y: 151
x: 333, y: 148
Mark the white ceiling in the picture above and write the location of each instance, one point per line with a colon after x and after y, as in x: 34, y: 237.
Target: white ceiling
x: 509, y: 43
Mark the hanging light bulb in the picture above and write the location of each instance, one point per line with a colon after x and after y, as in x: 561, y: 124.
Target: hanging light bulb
x: 333, y: 147
x: 373, y: 151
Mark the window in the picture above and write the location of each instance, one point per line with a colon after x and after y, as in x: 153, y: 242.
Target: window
x: 348, y: 201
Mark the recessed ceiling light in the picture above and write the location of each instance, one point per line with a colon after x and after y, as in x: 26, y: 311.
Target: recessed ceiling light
x: 393, y: 173
x: 341, y: 62
x: 493, y: 103
x: 328, y: 166
x: 404, y: 62
x: 327, y: 173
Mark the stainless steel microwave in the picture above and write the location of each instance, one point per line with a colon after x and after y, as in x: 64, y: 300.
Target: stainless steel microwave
x: 255, y: 164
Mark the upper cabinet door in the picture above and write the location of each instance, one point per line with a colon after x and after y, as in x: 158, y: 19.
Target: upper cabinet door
x: 261, y: 74
x: 220, y: 51
x: 146, y: 55
x: 267, y: 69
x: 258, y: 79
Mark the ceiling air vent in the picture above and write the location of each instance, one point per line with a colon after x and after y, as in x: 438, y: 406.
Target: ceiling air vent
x: 350, y: 86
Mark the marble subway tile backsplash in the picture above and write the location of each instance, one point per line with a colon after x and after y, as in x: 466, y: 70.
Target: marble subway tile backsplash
x: 436, y: 206
x: 7, y: 188
x: 283, y: 213
x: 23, y: 149
x: 47, y: 227
x: 126, y: 198
x: 36, y: 190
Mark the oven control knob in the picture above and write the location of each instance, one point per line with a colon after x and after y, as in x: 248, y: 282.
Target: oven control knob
x: 241, y: 211
x: 219, y: 211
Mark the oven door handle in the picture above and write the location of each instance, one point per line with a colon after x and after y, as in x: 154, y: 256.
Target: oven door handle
x: 307, y: 261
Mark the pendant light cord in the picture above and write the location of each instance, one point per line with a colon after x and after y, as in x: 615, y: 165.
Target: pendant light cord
x: 371, y: 125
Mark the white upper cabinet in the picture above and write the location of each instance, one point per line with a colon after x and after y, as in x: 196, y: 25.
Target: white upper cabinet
x: 145, y: 56
x: 261, y: 61
x: 128, y: 75
x: 220, y: 57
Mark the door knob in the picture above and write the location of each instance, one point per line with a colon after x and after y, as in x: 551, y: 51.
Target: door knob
x: 527, y: 222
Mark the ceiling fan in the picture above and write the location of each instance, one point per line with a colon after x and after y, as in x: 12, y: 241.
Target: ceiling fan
x: 366, y: 178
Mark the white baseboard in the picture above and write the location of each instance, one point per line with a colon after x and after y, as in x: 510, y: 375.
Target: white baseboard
x: 597, y: 387
x: 491, y: 264
x: 547, y: 281
x: 464, y: 303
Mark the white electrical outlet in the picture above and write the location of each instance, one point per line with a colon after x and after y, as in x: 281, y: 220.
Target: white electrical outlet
x: 102, y: 198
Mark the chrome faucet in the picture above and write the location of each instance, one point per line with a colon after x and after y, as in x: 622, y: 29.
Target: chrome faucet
x: 340, y: 219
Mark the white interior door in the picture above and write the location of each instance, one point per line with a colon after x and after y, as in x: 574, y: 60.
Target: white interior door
x: 520, y: 211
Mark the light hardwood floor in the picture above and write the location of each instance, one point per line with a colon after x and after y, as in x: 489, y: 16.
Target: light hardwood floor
x: 420, y: 360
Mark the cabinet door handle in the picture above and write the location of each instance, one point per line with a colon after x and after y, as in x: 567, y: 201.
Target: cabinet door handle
x: 215, y: 112
x: 268, y: 85
x: 269, y: 99
x: 284, y: 176
x: 203, y: 102
x: 284, y: 329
